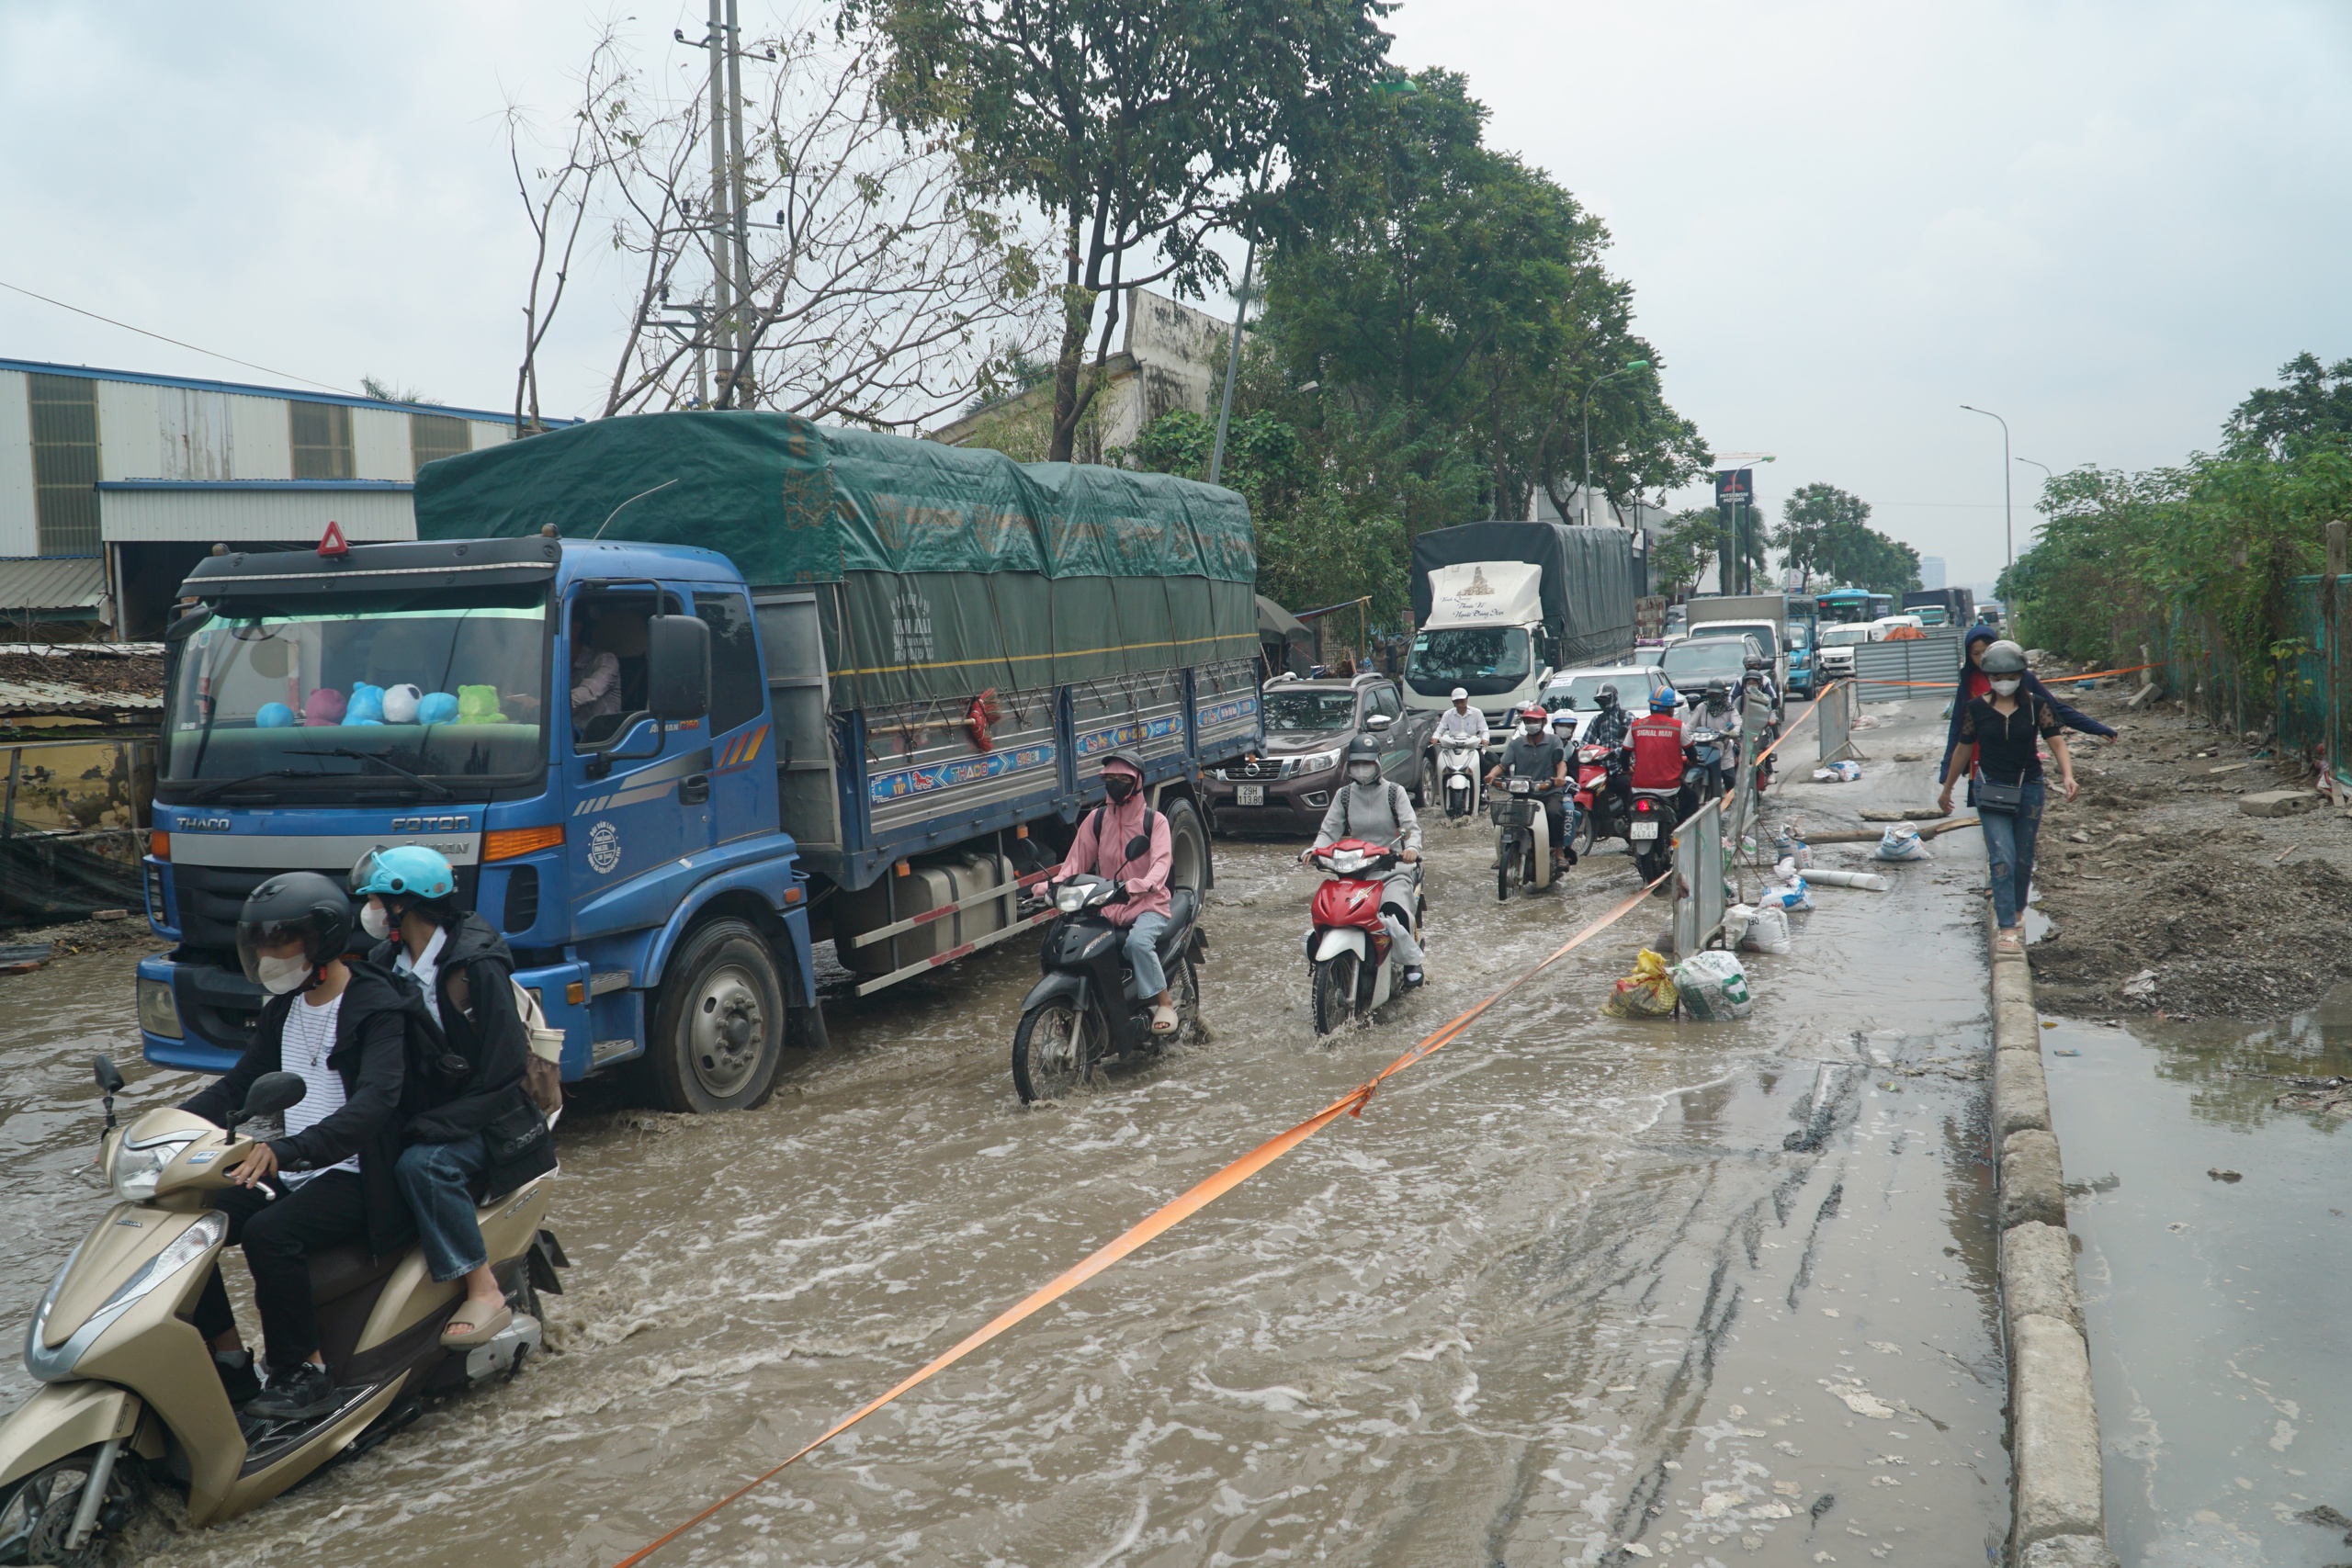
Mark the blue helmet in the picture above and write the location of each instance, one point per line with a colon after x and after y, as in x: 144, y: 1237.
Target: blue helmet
x: 1666, y: 699
x: 408, y: 871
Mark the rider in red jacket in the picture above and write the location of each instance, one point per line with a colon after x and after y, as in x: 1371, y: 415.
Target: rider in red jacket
x: 1656, y: 743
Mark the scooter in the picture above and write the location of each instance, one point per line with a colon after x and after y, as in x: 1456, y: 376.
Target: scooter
x: 131, y: 1398
x: 1457, y: 770
x: 1088, y: 1009
x: 1353, y: 956
x: 1522, y: 837
x: 1601, y: 810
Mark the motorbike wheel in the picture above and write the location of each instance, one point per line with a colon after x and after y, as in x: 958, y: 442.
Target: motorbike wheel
x: 1652, y: 863
x: 1335, y: 992
x: 1584, y: 837
x: 1054, y: 1051
x: 1503, y: 875
x: 40, y: 1515
x: 1185, y: 986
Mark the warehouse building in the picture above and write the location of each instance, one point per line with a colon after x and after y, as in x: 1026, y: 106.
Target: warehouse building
x: 113, y: 484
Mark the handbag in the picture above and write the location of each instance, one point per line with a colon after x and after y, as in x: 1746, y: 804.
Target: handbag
x: 2000, y: 799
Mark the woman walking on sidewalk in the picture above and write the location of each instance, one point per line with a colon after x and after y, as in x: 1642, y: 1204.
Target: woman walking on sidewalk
x: 2000, y: 734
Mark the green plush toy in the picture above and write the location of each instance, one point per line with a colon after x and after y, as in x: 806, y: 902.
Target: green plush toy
x: 478, y: 705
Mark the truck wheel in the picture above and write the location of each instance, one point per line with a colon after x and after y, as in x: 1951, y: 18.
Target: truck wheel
x: 718, y: 1034
x: 1188, y: 847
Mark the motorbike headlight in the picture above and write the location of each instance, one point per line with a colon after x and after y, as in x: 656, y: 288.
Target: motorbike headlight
x: 138, y: 1167
x: 1070, y: 899
x: 57, y: 1365
x: 1349, y: 863
x: 1322, y: 762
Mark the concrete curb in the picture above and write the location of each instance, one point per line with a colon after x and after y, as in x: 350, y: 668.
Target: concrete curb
x: 2058, y: 1518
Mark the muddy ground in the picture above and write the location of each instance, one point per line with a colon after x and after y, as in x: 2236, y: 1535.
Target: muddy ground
x: 2156, y: 868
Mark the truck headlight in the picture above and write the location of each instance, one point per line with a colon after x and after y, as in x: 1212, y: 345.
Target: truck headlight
x: 159, y: 1010
x: 138, y: 1167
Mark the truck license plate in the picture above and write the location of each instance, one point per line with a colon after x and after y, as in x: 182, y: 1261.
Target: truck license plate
x: 1642, y: 830
x: 1249, y: 794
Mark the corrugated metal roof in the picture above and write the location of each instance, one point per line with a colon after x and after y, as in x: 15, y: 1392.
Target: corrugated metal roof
x: 292, y: 394
x: 21, y: 697
x: 52, y: 582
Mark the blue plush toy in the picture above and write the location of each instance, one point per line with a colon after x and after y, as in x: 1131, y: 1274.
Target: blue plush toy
x: 273, y: 716
x: 367, y: 705
x: 437, y: 707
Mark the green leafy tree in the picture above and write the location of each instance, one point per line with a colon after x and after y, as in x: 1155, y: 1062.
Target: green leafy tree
x: 2312, y: 406
x: 1683, y: 553
x: 1141, y: 126
x: 1817, y: 524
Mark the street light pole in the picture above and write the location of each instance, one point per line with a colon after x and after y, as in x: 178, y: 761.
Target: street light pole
x: 1586, y: 485
x: 2009, y: 527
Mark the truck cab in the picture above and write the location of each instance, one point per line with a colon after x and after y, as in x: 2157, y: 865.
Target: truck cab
x: 1487, y: 634
x: 583, y: 729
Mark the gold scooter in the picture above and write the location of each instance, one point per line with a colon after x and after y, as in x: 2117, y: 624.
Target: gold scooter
x: 130, y: 1394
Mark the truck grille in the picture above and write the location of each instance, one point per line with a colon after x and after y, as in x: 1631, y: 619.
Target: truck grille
x: 210, y: 898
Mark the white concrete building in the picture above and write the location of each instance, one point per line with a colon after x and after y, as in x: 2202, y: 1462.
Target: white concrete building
x: 113, y: 483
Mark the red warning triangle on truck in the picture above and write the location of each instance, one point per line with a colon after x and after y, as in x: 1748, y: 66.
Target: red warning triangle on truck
x: 332, y: 542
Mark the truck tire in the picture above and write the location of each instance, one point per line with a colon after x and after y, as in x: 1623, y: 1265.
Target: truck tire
x: 1188, y: 847
x: 717, y: 1036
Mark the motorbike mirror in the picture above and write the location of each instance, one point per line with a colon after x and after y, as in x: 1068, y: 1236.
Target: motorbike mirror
x: 1138, y: 846
x: 109, y: 1076
x: 272, y: 1093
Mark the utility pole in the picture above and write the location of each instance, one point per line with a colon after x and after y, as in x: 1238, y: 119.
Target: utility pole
x: 723, y: 268
x: 742, y: 228
x: 1232, y: 363
x: 2008, y: 528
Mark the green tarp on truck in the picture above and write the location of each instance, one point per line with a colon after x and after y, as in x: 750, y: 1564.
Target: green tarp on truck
x: 1589, y: 580
x: 957, y: 570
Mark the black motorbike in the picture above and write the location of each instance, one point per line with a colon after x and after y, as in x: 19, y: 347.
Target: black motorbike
x: 1087, y: 1011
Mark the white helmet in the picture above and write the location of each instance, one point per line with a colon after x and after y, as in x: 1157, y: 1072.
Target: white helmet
x: 1460, y: 696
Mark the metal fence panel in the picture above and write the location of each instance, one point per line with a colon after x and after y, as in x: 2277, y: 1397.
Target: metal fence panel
x: 1698, y: 879
x: 1835, y: 728
x: 1915, y: 667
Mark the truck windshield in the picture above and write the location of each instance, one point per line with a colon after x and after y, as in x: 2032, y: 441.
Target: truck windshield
x: 1310, y: 710
x: 1483, y: 660
x: 395, y: 691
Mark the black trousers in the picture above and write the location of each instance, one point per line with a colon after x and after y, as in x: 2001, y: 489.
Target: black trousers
x: 279, y: 1236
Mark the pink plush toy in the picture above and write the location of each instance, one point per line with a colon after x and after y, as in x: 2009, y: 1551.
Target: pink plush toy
x: 323, y: 706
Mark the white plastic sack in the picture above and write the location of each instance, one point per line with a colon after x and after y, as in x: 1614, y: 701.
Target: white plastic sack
x: 1766, y: 931
x: 1902, y: 841
x: 1837, y: 773
x: 1714, y: 986
x: 1792, y: 894
x: 1736, y: 920
x: 1792, y: 849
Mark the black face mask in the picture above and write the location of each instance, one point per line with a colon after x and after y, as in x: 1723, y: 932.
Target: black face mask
x: 1120, y: 787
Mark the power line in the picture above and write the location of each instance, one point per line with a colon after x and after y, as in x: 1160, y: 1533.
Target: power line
x: 142, y: 332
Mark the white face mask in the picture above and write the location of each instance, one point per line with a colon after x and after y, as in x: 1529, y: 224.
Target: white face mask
x: 1364, y: 773
x: 376, y: 920
x: 279, y: 976
x: 2008, y: 688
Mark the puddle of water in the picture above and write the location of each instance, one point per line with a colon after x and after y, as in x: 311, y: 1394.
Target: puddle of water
x: 2218, y: 1343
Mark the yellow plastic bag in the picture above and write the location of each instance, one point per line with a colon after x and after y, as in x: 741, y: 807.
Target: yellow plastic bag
x: 1647, y: 992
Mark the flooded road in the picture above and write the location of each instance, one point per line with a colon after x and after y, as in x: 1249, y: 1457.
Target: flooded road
x: 2214, y: 1301
x: 1574, y: 1291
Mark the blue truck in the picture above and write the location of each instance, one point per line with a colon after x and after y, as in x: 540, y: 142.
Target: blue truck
x: 836, y: 688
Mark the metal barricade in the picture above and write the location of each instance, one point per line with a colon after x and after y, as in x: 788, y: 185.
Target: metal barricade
x: 1923, y: 666
x: 1836, y: 725
x: 1699, y: 879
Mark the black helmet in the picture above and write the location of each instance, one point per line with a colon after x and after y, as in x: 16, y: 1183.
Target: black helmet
x: 1606, y: 697
x: 1718, y: 687
x: 296, y: 903
x: 1363, y: 749
x: 1122, y: 754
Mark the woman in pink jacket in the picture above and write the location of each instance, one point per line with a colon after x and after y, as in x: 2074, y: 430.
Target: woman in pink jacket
x: 1126, y: 842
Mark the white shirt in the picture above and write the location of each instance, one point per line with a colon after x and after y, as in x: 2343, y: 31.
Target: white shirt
x: 427, y: 970
x: 309, y: 1038
x: 1470, y: 724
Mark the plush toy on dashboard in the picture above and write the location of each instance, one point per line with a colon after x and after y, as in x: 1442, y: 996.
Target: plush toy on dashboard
x: 323, y: 708
x: 478, y: 705
x: 400, y: 704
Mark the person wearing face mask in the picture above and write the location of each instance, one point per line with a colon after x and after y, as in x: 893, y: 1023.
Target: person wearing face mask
x: 1379, y: 812
x: 1533, y: 754
x: 484, y: 1134
x: 1106, y: 846
x: 1974, y: 683
x: 2000, y: 733
x: 353, y: 1034
x: 1462, y: 723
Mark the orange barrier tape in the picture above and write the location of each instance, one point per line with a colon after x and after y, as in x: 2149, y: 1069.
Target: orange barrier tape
x: 1165, y: 1218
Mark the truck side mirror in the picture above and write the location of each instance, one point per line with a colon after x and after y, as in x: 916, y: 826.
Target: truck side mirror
x: 677, y: 666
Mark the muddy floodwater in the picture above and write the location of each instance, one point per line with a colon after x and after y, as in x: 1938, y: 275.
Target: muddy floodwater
x: 2213, y: 1230
x: 1573, y: 1290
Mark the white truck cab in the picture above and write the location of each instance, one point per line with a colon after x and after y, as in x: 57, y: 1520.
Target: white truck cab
x: 1484, y: 633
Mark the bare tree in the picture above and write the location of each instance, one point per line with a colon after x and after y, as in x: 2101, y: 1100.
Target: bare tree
x: 559, y: 193
x: 880, y: 291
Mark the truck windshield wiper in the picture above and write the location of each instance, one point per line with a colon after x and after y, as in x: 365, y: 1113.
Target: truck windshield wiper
x: 205, y: 792
x: 443, y: 791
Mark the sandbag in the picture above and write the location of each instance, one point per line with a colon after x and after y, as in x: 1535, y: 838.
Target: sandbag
x: 1902, y: 841
x: 1837, y: 773
x: 1736, y: 918
x: 1786, y: 892
x: 1714, y: 986
x: 1767, y: 931
x: 1647, y: 992
x: 1793, y: 847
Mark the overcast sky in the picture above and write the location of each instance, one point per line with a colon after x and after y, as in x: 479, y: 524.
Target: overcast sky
x: 1841, y: 221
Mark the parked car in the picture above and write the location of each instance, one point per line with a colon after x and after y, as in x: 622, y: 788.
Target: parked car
x: 1577, y: 689
x: 1287, y: 787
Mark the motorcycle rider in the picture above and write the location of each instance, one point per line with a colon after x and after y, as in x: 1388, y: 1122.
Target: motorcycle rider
x: 1716, y: 713
x: 1103, y: 848
x: 1655, y: 741
x: 490, y: 1136
x: 1610, y: 721
x: 1461, y: 723
x: 1533, y: 754
x: 1379, y: 812
x: 355, y: 1036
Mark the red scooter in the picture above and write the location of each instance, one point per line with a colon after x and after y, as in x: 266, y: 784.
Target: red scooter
x: 1601, y: 811
x: 1354, y: 958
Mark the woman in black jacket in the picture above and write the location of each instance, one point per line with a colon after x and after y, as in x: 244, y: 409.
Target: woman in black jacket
x: 1975, y: 683
x: 482, y: 1133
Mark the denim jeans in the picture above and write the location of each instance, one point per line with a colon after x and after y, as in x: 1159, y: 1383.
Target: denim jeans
x: 2008, y: 848
x: 1143, y: 952
x: 437, y: 1181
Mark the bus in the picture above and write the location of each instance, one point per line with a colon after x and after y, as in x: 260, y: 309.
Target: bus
x: 1843, y: 606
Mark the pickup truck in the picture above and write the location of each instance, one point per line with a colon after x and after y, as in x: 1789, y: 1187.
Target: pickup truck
x: 1287, y: 784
